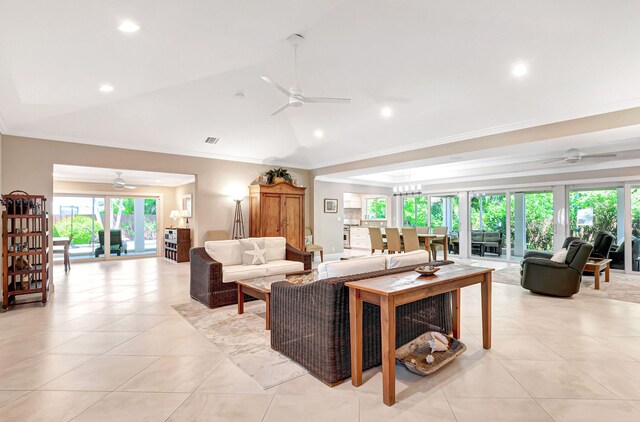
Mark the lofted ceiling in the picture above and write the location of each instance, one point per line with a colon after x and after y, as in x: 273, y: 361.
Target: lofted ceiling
x: 444, y: 68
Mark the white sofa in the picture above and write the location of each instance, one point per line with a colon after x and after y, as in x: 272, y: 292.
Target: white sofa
x: 229, y: 254
x: 371, y: 263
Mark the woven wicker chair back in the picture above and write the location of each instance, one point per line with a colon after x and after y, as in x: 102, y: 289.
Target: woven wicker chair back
x: 410, y: 237
x: 393, y: 239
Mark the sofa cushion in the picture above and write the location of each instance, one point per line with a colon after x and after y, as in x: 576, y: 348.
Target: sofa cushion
x: 226, y: 252
x: 243, y: 272
x: 476, y: 236
x: 253, y: 251
x: 408, y: 258
x: 276, y: 248
x: 283, y: 267
x: 352, y: 266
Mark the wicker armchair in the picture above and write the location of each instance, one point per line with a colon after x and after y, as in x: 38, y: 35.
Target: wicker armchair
x: 206, y: 277
x: 310, y: 324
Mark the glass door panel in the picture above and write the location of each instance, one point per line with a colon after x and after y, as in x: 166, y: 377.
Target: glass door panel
x: 635, y: 229
x: 594, y: 210
x: 79, y: 218
x: 133, y: 226
x: 531, y: 222
x: 488, y: 214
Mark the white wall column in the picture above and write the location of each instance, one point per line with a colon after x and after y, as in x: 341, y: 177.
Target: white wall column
x: 138, y: 218
x: 628, y: 248
x: 620, y: 232
x: 518, y: 216
x: 464, y: 224
x: 560, y: 216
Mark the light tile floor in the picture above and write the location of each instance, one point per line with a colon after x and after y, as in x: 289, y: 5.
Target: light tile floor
x: 109, y: 347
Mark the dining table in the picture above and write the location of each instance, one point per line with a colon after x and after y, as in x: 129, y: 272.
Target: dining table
x: 65, y: 242
x: 426, y: 238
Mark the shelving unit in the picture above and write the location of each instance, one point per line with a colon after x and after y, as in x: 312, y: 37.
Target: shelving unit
x: 25, y: 248
x: 177, y: 243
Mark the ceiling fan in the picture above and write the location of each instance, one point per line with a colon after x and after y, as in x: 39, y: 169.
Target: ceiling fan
x: 295, y: 93
x: 573, y: 155
x: 119, y: 183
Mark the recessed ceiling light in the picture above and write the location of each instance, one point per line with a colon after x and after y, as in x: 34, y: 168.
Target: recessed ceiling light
x: 128, y: 26
x: 106, y: 88
x: 386, y: 112
x: 318, y: 133
x: 519, y: 70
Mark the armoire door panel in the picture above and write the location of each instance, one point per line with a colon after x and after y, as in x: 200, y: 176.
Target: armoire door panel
x: 271, y: 216
x: 293, y: 220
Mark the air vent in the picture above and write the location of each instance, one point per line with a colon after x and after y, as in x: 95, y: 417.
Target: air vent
x: 211, y: 140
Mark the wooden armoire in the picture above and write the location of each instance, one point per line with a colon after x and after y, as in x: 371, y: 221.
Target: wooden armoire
x: 277, y: 210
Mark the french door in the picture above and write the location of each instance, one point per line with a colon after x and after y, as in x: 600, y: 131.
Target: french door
x: 107, y: 226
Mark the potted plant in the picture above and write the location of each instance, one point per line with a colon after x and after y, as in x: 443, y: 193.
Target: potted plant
x: 278, y: 175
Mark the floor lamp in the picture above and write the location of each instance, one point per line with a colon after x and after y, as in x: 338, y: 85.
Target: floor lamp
x: 238, y: 221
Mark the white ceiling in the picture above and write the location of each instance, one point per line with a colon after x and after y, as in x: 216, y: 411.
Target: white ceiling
x: 64, y: 173
x: 444, y: 67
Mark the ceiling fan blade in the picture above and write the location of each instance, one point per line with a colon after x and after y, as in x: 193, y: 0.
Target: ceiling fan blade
x: 554, y: 160
x: 277, y: 86
x: 600, y: 156
x: 287, y: 105
x: 130, y: 187
x: 326, y: 100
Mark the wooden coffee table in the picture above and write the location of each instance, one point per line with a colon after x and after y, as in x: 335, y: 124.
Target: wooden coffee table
x: 596, y: 265
x: 394, y: 290
x: 260, y: 288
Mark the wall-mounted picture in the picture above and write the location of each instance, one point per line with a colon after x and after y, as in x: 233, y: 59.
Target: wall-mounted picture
x: 187, y: 205
x: 331, y: 205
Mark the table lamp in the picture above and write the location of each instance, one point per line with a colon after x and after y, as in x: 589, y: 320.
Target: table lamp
x: 174, y: 215
x: 185, y: 214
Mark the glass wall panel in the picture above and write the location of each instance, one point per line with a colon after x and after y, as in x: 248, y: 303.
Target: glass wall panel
x: 488, y: 213
x: 594, y: 210
x: 531, y: 222
x: 133, y: 227
x: 78, y: 218
x: 635, y: 228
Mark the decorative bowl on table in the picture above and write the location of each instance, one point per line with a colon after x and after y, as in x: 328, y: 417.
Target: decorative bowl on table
x: 427, y: 270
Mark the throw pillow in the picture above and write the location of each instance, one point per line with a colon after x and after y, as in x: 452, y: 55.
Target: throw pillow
x: 560, y: 256
x: 254, y: 251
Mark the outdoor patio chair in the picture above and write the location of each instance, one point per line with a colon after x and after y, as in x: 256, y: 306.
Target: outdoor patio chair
x: 115, y: 239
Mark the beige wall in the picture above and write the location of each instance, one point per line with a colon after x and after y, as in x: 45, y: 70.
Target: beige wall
x: 328, y: 227
x: 216, y: 180
x: 179, y: 192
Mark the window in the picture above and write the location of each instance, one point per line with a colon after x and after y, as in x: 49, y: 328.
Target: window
x: 376, y: 208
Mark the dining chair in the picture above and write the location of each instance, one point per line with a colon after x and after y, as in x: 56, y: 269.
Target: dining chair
x: 410, y: 239
x: 375, y: 234
x: 310, y: 247
x: 393, y: 240
x: 438, y: 243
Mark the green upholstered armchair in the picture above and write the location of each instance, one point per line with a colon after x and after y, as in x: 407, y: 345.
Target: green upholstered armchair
x: 548, y: 255
x: 115, y: 240
x: 543, y: 276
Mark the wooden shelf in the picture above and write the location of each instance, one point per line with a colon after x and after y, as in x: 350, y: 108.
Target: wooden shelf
x: 26, y: 234
x: 177, y: 243
x: 35, y: 249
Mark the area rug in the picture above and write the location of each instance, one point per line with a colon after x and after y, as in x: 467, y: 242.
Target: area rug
x: 622, y: 286
x: 243, y: 339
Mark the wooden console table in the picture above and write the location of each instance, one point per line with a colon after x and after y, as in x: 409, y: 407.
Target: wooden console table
x: 398, y: 289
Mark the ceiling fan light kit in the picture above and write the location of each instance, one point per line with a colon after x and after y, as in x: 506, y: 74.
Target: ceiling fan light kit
x: 120, y: 184
x: 295, y: 93
x: 573, y: 155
